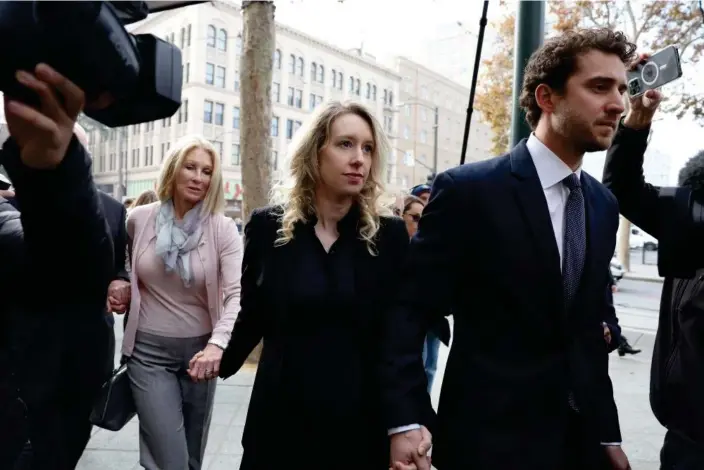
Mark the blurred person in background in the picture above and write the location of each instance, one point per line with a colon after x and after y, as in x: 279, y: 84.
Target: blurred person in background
x: 186, y: 259
x: 440, y: 330
x: 319, y: 271
x: 146, y: 197
x: 48, y: 354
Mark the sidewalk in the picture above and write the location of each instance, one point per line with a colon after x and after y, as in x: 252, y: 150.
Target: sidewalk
x: 643, y: 272
x: 630, y: 375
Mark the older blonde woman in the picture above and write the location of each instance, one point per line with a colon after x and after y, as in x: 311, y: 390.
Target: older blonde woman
x: 319, y: 270
x: 186, y: 263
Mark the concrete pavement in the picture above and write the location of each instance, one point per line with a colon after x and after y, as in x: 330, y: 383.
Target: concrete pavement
x: 642, y: 433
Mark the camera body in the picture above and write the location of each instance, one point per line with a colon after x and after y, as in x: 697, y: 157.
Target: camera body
x: 87, y: 42
x: 661, y: 68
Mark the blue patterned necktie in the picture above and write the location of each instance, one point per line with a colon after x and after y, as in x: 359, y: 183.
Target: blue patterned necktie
x: 575, y: 240
x: 573, y: 248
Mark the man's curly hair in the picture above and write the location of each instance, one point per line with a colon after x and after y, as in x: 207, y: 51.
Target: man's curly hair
x: 554, y: 62
x: 692, y: 174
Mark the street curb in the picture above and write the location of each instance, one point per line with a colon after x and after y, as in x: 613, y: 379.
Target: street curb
x: 637, y: 277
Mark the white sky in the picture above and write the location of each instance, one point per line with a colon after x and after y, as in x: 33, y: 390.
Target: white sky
x: 401, y: 27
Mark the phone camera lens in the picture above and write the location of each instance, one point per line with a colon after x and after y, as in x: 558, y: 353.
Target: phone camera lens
x: 634, y: 87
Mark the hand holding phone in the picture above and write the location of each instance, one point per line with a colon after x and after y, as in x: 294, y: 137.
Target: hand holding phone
x: 654, y: 71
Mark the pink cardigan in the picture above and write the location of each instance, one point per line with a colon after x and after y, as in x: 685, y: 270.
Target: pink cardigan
x: 220, y: 250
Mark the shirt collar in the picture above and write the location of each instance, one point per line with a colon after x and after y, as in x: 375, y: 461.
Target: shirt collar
x: 551, y: 170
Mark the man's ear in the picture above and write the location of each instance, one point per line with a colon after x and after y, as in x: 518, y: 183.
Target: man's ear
x: 545, y: 98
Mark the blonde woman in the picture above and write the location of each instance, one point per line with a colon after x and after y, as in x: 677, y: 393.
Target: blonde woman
x: 319, y: 270
x: 186, y: 263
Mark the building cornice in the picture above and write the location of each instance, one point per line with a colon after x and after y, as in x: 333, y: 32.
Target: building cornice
x: 402, y: 61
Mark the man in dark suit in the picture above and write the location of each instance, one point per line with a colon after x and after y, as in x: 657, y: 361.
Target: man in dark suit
x: 518, y: 248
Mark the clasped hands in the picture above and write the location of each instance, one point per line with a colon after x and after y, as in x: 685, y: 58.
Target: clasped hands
x: 119, y: 296
x: 409, y: 450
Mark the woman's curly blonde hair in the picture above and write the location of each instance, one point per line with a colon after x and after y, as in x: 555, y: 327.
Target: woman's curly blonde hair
x: 296, y: 194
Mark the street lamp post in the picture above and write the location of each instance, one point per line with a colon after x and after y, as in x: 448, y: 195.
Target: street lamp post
x: 436, y: 124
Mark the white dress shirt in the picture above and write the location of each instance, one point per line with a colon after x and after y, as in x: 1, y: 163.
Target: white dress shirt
x: 551, y: 171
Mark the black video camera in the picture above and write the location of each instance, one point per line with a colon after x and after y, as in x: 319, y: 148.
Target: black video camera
x: 86, y: 41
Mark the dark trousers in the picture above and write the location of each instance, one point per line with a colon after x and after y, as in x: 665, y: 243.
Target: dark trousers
x: 583, y: 453
x: 57, y: 438
x: 680, y: 453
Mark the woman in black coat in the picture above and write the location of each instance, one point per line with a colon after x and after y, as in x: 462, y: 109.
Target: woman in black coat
x: 319, y: 271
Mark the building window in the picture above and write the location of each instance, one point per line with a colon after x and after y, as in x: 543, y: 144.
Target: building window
x: 184, y: 106
x: 296, y: 126
x: 292, y: 64
x: 406, y: 132
x: 299, y: 99
x: 274, y: 126
x: 237, y: 85
x: 374, y: 92
x: 219, y: 114
x: 289, y: 129
x: 163, y: 152
x: 274, y: 160
x: 340, y: 80
x: 301, y: 67
x: 235, y: 117
x: 313, y: 71
x: 209, y: 73
x: 275, y: 92
x: 291, y: 92
x: 334, y: 78
x: 182, y: 38
x: 211, y: 36
x: 218, y: 148
x: 321, y: 74
x: 220, y: 77
x: 423, y: 137
x: 351, y: 88
x: 357, y: 87
x: 222, y: 40
x: 188, y: 72
x: 208, y: 112
x: 277, y: 59
x: 188, y: 36
x: 368, y: 94
x: 235, y: 155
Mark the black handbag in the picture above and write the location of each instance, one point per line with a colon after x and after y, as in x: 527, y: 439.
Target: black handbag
x: 115, y: 405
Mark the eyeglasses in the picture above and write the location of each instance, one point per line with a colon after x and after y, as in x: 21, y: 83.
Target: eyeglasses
x: 415, y: 217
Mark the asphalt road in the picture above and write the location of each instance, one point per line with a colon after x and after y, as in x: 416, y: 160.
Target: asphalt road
x: 637, y: 304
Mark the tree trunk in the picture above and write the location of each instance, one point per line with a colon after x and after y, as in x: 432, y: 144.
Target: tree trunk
x: 623, y: 248
x: 259, y: 38
x: 623, y: 243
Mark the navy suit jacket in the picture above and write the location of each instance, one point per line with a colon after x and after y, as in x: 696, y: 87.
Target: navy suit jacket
x: 485, y: 250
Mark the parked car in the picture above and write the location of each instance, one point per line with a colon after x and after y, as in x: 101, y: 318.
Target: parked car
x: 639, y: 239
x: 616, y: 269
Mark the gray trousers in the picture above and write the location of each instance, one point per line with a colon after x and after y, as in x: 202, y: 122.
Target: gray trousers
x: 174, y: 412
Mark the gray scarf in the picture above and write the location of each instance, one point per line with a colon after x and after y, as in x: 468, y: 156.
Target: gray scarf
x: 176, y: 239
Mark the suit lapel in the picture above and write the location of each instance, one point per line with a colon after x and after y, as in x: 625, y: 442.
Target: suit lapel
x: 530, y: 197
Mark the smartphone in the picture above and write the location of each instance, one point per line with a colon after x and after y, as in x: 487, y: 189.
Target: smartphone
x: 660, y: 69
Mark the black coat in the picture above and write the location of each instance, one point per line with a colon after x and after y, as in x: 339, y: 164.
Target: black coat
x: 319, y: 315
x: 57, y: 262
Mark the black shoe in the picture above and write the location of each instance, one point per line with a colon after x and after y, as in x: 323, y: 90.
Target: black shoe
x: 625, y: 348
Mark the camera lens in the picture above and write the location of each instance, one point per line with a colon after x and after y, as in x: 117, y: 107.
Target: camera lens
x: 634, y: 86
x: 649, y: 73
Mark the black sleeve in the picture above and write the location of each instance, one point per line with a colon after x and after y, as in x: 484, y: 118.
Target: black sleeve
x: 64, y: 228
x: 249, y: 326
x: 669, y: 214
x: 428, y: 287
x: 610, y: 317
x: 120, y: 246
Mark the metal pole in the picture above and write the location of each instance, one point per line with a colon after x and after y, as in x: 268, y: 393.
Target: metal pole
x: 530, y: 30
x: 473, y: 88
x: 435, y: 141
